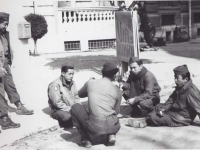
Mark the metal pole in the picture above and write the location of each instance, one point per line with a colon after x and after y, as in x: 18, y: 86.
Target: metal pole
x: 190, y: 22
x: 34, y: 7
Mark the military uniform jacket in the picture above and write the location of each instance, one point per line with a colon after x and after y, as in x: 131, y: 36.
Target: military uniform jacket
x: 62, y: 96
x: 184, y: 104
x: 9, y: 54
x: 143, y: 87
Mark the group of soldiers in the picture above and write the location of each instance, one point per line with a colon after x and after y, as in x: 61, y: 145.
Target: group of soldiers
x: 97, y: 120
x: 6, y: 80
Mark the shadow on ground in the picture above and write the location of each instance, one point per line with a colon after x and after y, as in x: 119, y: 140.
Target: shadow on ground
x: 189, y: 49
x: 86, y: 62
x: 71, y: 136
x: 47, y: 111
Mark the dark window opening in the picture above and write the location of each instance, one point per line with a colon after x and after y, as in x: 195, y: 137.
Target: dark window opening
x: 196, y: 18
x: 99, y: 44
x: 198, y: 31
x: 168, y: 36
x: 72, y: 45
x: 168, y: 19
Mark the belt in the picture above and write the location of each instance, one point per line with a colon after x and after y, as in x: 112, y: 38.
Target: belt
x: 101, y: 117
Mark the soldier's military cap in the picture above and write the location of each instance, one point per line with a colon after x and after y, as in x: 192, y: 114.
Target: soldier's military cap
x: 108, y: 66
x: 4, y: 15
x: 181, y: 70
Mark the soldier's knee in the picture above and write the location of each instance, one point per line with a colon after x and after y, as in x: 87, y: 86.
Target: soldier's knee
x: 66, y: 117
x: 75, y: 107
x: 144, y: 105
x: 151, y: 118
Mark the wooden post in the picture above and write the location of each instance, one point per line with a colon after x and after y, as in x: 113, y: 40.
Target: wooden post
x: 127, y: 38
x: 190, y: 22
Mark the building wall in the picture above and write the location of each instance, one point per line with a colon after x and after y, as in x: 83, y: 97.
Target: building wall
x: 156, y: 10
x: 59, y: 30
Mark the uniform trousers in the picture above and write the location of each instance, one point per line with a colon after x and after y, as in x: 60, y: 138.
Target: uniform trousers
x: 9, y: 85
x: 92, y: 128
x: 3, y: 102
x: 154, y: 119
x: 140, y: 109
x: 3, y: 106
x: 147, y: 36
x: 63, y: 117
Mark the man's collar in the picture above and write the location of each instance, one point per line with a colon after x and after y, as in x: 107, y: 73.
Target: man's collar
x: 187, y: 84
x: 64, y: 83
x: 183, y: 88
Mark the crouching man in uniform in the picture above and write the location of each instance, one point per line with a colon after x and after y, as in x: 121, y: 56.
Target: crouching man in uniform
x: 100, y: 124
x: 183, y: 104
x: 141, y: 90
x: 62, y: 95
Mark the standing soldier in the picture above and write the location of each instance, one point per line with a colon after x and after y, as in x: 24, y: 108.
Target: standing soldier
x: 146, y: 27
x: 5, y: 64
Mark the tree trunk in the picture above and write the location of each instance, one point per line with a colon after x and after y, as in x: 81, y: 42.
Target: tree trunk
x: 35, y: 50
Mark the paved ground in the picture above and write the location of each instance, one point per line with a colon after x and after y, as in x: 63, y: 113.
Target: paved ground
x: 33, y: 77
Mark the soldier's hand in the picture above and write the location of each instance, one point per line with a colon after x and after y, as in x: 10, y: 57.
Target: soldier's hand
x: 3, y: 71
x: 131, y: 101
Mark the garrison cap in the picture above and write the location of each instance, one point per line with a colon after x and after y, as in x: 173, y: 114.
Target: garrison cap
x: 181, y: 70
x: 4, y: 15
x: 108, y: 66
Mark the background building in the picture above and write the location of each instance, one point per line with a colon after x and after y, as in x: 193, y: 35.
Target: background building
x: 84, y: 25
x: 166, y: 15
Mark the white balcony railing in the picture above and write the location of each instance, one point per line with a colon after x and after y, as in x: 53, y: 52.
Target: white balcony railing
x: 84, y: 24
x: 71, y: 15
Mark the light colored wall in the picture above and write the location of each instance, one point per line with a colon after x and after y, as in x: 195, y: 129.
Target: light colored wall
x: 20, y: 48
x: 58, y: 32
x: 84, y: 31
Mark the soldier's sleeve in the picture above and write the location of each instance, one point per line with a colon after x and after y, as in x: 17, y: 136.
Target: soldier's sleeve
x: 56, y: 98
x: 126, y: 85
x: 76, y: 97
x: 118, y: 102
x: 194, y: 100
x: 148, y: 89
x: 10, y: 57
x: 83, y: 91
x: 1, y: 58
x: 168, y: 104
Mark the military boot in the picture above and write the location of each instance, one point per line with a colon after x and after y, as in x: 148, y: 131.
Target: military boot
x: 21, y: 110
x: 7, y: 123
x: 111, y: 140
x: 85, y: 143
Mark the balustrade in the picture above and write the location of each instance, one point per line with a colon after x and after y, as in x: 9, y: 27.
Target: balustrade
x: 70, y: 16
x: 87, y: 26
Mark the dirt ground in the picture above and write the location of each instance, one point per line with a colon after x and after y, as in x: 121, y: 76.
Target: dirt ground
x: 57, y: 138
x: 161, y: 64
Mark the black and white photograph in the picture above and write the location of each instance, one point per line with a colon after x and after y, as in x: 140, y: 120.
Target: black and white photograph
x: 99, y: 74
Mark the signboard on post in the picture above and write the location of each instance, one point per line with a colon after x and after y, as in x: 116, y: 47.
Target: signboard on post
x: 127, y: 37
